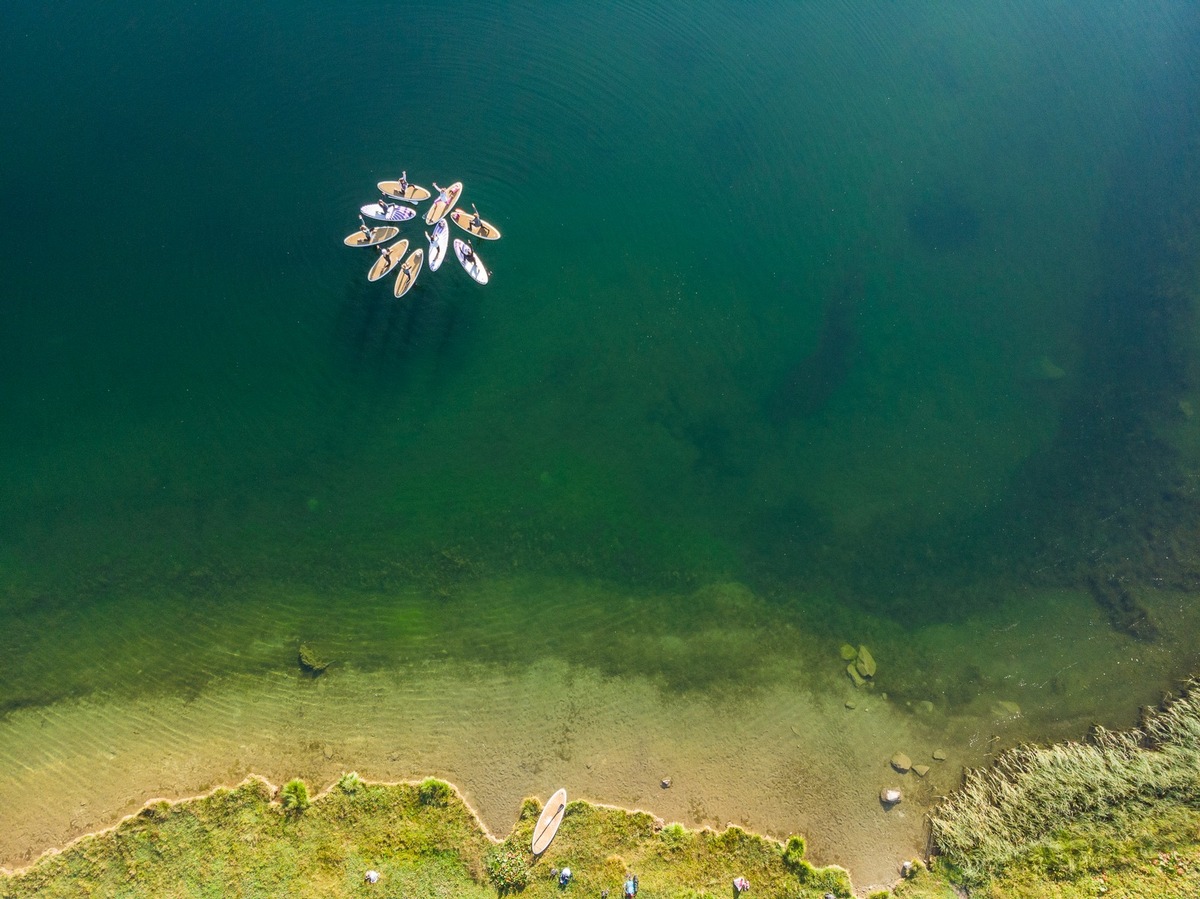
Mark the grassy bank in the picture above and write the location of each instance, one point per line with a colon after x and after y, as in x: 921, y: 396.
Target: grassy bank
x: 421, y: 839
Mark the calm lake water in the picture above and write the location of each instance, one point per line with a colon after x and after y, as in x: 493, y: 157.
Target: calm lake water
x: 883, y: 311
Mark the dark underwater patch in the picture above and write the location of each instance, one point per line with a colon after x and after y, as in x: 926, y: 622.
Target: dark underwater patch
x: 942, y: 220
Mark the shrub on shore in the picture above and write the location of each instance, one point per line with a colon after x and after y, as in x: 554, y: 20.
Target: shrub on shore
x: 294, y: 796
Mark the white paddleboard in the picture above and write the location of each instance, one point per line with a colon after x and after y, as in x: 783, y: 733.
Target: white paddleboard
x: 443, y: 202
x: 393, y: 212
x: 474, y: 266
x: 437, y: 244
x: 371, y: 237
x: 547, y: 825
x: 389, y: 258
x: 408, y: 272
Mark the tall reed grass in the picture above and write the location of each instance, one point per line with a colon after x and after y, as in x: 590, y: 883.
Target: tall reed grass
x: 1031, y: 793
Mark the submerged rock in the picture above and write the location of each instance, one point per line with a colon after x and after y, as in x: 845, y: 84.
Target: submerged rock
x: 939, y: 755
x: 852, y: 670
x: 921, y: 770
x: 849, y: 653
x: 311, y: 661
x: 889, y: 796
x: 1003, y: 708
x: 865, y: 662
x: 901, y: 762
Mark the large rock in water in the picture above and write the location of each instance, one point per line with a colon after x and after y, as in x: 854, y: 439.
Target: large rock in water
x: 889, y: 796
x: 865, y: 663
x: 901, y: 762
x: 311, y: 661
x: 854, y: 675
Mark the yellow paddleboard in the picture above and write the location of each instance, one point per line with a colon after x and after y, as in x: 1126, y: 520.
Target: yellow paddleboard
x: 547, y: 825
x: 466, y: 221
x: 443, y: 203
x: 408, y: 272
x: 371, y: 237
x: 411, y: 192
x: 389, y: 258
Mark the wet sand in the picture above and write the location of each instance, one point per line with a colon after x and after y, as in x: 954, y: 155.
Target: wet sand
x: 788, y: 759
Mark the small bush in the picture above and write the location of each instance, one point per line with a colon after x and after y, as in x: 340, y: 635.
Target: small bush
x: 794, y: 852
x: 350, y: 783
x: 506, y: 868
x: 674, y: 837
x: 830, y: 880
x: 432, y: 791
x: 294, y: 796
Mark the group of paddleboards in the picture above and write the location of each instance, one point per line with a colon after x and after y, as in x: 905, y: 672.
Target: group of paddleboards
x: 443, y: 208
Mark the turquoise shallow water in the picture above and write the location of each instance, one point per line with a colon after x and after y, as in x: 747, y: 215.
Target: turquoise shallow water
x: 876, y: 310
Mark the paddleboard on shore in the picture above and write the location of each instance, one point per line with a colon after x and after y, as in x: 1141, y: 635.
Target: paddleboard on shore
x: 389, y: 258
x: 552, y: 815
x: 437, y: 244
x: 370, y: 238
x: 443, y: 203
x: 392, y: 212
x: 402, y: 190
x: 473, y: 264
x: 408, y: 272
x: 466, y: 221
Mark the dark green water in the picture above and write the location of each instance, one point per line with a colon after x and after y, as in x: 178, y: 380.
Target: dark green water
x: 881, y: 309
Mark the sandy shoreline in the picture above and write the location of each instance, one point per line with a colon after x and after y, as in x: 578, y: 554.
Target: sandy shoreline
x: 82, y: 766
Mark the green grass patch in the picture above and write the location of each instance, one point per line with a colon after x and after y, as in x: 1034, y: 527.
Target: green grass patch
x: 423, y: 841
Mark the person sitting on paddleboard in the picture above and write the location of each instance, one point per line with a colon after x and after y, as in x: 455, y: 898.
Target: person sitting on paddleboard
x: 403, y: 183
